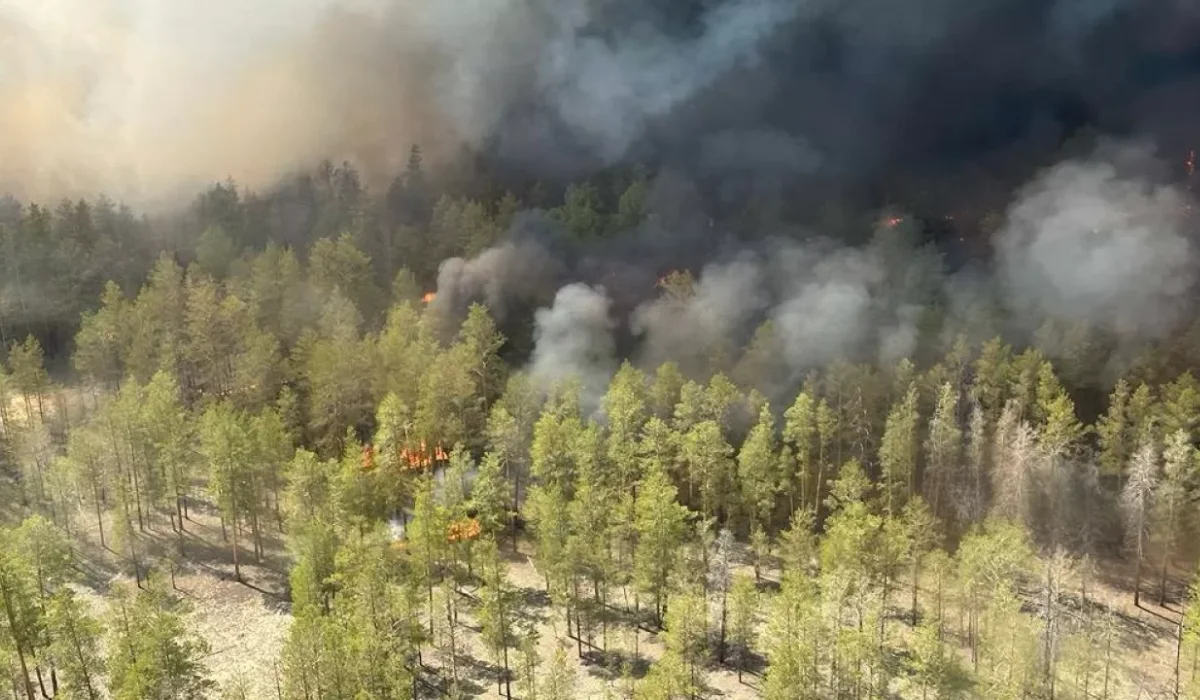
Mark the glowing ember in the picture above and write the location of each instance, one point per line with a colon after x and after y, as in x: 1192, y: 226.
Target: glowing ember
x: 429, y: 296
x: 893, y: 222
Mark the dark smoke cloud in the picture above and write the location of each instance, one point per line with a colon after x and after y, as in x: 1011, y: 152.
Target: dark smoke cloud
x: 149, y: 99
x: 515, y: 272
x: 1100, y: 244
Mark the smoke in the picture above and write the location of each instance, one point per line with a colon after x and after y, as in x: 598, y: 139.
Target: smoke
x: 146, y: 100
x: 825, y: 301
x: 691, y: 330
x: 574, y: 341
x: 1099, y: 242
x: 514, y: 272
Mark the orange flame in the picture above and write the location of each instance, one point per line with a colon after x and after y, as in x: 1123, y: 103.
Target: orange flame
x: 462, y: 530
x: 429, y: 296
x: 421, y: 457
x: 893, y: 221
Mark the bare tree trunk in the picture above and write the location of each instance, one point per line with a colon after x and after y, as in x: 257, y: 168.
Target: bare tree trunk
x: 916, y: 573
x: 99, y: 515
x: 237, y: 570
x: 1137, y: 582
x: 1178, y: 653
x: 1162, y: 577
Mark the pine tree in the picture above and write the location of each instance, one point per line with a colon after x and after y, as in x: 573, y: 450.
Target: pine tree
x: 707, y: 459
x: 1114, y: 433
x: 898, y: 452
x: 225, y: 445
x: 27, y: 362
x: 1171, y: 496
x: 687, y: 639
x: 743, y: 619
x: 795, y: 642
x: 972, y: 500
x: 75, y: 647
x: 1137, y: 503
x: 626, y: 411
x: 19, y: 625
x: 943, y: 448
x: 922, y: 536
x: 757, y: 471
x: 497, y: 612
x: 992, y: 378
x: 935, y: 668
x: 151, y: 654
x: 491, y: 496
x: 664, y: 391
x: 1179, y: 407
x: 660, y: 524
x: 799, y: 432
x: 559, y: 682
x: 426, y: 538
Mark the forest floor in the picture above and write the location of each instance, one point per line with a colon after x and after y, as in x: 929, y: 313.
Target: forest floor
x: 245, y: 623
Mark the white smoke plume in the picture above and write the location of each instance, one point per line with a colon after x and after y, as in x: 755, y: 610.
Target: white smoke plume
x: 574, y: 341
x: 827, y: 302
x: 722, y: 308
x: 1092, y: 242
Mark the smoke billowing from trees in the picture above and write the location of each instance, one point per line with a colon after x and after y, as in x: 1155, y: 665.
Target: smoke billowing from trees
x: 574, y: 342
x: 1088, y: 242
x: 1098, y: 241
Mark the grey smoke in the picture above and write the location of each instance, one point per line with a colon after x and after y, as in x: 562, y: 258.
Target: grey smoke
x: 827, y: 302
x: 827, y: 310
x: 610, y: 89
x: 146, y: 100
x: 512, y: 272
x: 757, y: 151
x: 574, y: 341
x: 1092, y: 243
x: 1096, y: 242
x: 726, y: 298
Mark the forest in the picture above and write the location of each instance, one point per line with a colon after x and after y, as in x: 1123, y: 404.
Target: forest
x: 434, y: 488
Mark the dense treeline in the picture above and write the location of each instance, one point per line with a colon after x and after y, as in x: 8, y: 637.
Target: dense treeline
x: 57, y: 258
x: 927, y: 527
x: 901, y: 507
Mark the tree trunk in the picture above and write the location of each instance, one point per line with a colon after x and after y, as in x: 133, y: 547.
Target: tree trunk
x: 721, y: 643
x: 137, y: 495
x: 179, y: 509
x: 87, y: 676
x: 1178, y: 653
x: 99, y: 515
x: 237, y: 569
x: 12, y: 625
x: 1137, y: 583
x: 1162, y: 577
x: 916, y: 574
